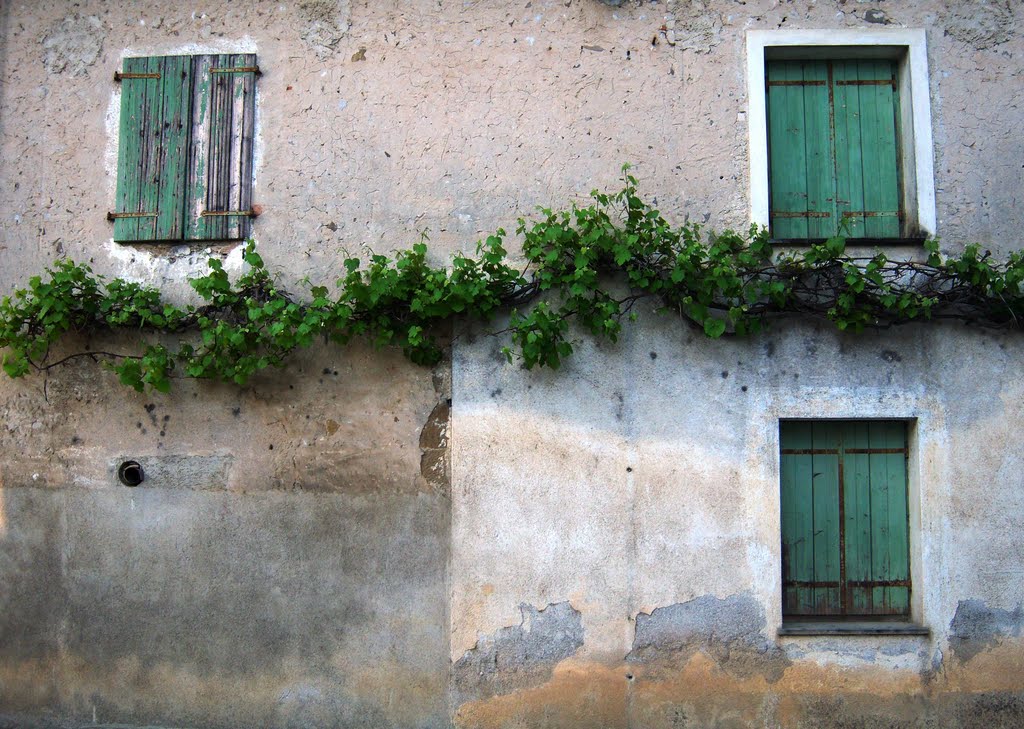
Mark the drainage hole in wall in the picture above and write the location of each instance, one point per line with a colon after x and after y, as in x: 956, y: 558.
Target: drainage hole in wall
x: 130, y: 473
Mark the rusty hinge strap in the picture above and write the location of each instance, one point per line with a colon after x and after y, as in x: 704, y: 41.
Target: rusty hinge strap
x: 228, y: 213
x: 809, y: 214
x: 244, y: 69
x: 119, y: 76
x: 852, y: 583
x: 868, y: 82
x: 796, y: 83
x: 876, y: 451
x: 115, y: 216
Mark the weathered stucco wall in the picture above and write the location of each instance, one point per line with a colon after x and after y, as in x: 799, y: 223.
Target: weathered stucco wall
x: 606, y: 551
x: 641, y: 485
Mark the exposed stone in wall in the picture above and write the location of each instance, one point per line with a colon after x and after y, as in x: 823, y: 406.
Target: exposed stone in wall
x: 694, y: 26
x: 729, y: 630
x: 324, y: 24
x: 983, y: 24
x: 73, y: 45
x: 976, y: 627
x: 434, y: 446
x: 191, y: 471
x: 521, y: 655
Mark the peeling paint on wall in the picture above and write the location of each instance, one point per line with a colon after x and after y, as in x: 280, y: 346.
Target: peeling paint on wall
x: 521, y: 655
x: 728, y: 630
x: 976, y: 627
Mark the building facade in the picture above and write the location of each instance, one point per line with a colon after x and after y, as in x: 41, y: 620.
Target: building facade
x: 802, y: 528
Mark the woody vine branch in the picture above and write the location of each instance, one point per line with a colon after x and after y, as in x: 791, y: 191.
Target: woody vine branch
x: 727, y: 283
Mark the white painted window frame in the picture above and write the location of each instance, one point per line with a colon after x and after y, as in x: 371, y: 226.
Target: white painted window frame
x: 907, y: 47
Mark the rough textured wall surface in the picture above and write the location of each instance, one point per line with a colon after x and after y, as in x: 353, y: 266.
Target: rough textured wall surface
x: 596, y: 547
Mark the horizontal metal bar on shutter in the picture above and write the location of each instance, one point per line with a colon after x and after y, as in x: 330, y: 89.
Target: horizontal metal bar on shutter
x: 118, y: 76
x: 851, y: 583
x: 875, y: 451
x: 873, y: 214
x: 818, y: 82
x: 115, y: 216
x: 834, y: 452
x: 867, y: 82
x: 242, y: 69
x: 228, y: 213
x: 806, y: 214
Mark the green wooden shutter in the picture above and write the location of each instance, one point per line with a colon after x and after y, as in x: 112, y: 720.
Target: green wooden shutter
x: 220, y: 151
x: 844, y: 518
x: 185, y: 149
x: 800, y: 150
x: 152, y: 149
x: 833, y: 149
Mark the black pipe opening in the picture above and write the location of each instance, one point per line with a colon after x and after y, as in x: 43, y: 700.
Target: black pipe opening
x: 130, y: 473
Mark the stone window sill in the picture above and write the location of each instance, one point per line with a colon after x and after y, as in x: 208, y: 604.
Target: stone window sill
x: 795, y: 627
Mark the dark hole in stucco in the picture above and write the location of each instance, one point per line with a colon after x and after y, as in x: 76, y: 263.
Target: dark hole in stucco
x: 130, y: 474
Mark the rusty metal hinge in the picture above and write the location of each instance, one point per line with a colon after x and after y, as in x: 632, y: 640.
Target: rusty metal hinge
x: 115, y: 216
x: 228, y: 213
x: 244, y: 69
x: 808, y: 214
x: 118, y: 76
x: 873, y: 214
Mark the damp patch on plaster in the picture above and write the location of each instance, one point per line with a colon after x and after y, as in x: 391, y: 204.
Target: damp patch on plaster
x: 730, y: 630
x: 73, y: 45
x: 309, y: 704
x: 519, y: 656
x: 976, y: 627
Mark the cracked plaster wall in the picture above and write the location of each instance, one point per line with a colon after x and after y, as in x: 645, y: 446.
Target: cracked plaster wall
x: 288, y: 565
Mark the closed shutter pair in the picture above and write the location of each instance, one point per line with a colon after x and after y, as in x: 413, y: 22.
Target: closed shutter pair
x: 845, y: 538
x: 834, y: 157
x: 186, y: 147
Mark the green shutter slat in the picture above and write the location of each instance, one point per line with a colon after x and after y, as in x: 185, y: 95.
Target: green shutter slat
x: 819, y: 146
x: 199, y: 144
x: 849, y: 160
x: 897, y: 599
x: 857, y: 516
x: 879, y: 149
x: 151, y: 144
x: 245, y: 95
x: 800, y: 154
x: 798, y: 518
x: 220, y: 158
x: 787, y: 163
x: 176, y: 80
x: 130, y: 172
x: 889, y: 560
x: 825, y: 479
x: 152, y: 147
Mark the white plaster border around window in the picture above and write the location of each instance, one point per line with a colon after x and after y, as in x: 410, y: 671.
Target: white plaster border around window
x: 926, y: 472
x: 141, y: 263
x: 915, y: 108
